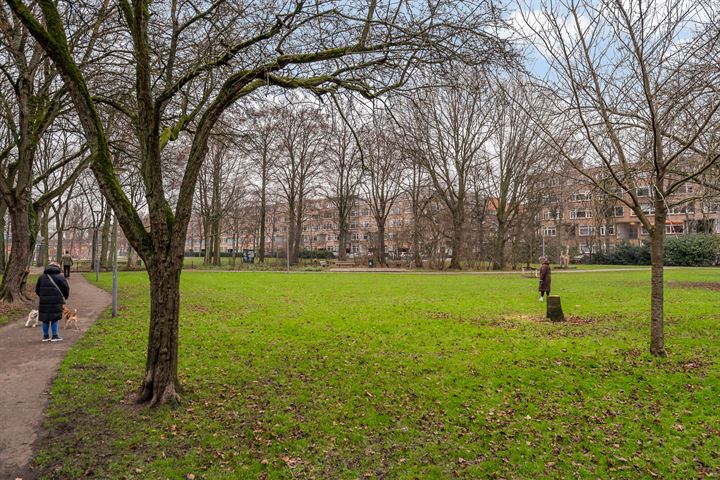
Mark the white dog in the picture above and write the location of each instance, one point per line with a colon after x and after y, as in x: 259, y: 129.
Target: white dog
x: 32, y: 317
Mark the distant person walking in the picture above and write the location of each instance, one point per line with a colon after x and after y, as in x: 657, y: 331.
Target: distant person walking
x: 52, y: 290
x: 544, y: 279
x: 67, y: 262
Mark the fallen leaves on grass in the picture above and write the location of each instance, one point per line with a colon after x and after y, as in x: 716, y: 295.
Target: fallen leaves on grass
x: 715, y: 286
x: 290, y: 462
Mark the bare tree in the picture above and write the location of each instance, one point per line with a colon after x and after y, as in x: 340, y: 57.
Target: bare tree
x: 261, y: 150
x: 517, y: 157
x: 302, y: 144
x: 382, y: 176
x: 33, y: 99
x: 341, y: 176
x: 445, y: 132
x: 634, y: 99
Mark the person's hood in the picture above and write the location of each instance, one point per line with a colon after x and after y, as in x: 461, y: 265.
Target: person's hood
x: 51, y: 270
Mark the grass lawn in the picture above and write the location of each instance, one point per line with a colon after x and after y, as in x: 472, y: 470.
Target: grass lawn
x: 10, y: 311
x: 359, y: 375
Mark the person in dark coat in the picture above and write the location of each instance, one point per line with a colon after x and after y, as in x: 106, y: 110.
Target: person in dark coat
x: 544, y: 279
x: 52, y: 290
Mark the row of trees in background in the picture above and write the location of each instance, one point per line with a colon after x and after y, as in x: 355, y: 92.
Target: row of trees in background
x: 468, y: 149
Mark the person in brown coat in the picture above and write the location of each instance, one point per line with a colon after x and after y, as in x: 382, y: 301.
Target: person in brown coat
x: 544, y: 279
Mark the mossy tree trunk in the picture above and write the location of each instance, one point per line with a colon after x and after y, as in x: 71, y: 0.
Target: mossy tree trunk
x: 12, y: 288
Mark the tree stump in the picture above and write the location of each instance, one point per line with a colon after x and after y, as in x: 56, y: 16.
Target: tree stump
x: 554, y: 309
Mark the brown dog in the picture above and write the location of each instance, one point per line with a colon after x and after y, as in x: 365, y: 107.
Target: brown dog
x: 70, y: 317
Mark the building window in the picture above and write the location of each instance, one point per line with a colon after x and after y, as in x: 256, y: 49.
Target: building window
x: 687, y: 208
x: 647, y: 209
x: 675, y: 229
x: 552, y: 215
x: 580, y: 214
x: 711, y: 207
x: 618, y: 211
x: 607, y: 230
x: 582, y: 197
x: 586, y: 230
x: 685, y: 188
x: 549, y: 231
x: 643, y: 191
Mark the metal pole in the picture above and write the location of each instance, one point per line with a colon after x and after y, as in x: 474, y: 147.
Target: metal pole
x: 115, y: 270
x: 96, y: 257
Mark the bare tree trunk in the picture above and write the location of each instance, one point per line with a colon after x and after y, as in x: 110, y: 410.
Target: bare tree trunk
x: 261, y: 247
x: 218, y: 241
x: 160, y: 384
x: 59, y: 233
x: 3, y: 211
x: 342, y: 240
x: 12, y: 288
x: 380, y: 253
x: 290, y: 241
x: 44, y: 253
x: 208, y: 241
x: 457, y: 237
x: 657, y: 260
x: 500, y: 261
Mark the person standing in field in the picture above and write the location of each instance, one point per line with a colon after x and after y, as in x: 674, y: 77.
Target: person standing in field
x: 544, y: 279
x: 67, y: 262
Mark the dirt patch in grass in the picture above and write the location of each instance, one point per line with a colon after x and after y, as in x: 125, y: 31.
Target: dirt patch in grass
x: 577, y: 320
x: 569, y: 319
x: 715, y: 286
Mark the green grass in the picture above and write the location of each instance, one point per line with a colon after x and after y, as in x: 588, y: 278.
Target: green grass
x: 344, y: 376
x: 10, y: 312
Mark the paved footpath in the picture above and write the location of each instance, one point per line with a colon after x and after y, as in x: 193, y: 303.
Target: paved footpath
x: 27, y: 369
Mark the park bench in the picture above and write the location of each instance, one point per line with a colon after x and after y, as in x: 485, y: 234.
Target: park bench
x: 345, y: 264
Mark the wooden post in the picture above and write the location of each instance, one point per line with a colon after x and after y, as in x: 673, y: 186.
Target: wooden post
x: 554, y: 309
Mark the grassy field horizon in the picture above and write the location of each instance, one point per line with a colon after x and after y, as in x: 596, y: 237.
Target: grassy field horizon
x: 399, y: 376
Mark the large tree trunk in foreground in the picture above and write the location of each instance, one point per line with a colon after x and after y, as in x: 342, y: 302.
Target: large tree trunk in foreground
x: 12, y: 288
x: 160, y: 384
x: 657, y: 260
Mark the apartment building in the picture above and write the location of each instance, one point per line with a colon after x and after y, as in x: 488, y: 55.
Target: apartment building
x: 320, y: 230
x: 582, y: 220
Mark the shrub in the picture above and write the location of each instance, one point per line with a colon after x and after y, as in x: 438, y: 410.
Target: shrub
x: 692, y: 250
